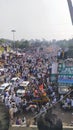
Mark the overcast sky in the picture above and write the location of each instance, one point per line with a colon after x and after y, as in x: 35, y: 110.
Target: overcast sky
x: 35, y: 19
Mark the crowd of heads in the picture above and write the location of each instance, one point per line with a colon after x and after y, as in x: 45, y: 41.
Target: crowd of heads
x: 35, y: 67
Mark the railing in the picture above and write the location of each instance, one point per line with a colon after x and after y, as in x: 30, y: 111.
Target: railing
x: 33, y: 127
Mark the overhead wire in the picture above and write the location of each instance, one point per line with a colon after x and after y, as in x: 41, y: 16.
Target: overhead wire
x: 52, y: 105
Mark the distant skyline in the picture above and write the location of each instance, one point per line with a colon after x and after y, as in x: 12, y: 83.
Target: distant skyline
x: 35, y: 19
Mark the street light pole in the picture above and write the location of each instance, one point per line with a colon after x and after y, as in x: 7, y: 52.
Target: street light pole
x: 13, y: 31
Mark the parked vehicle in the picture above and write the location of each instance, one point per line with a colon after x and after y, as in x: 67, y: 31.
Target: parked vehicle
x: 4, y: 87
x: 22, y: 88
x: 14, y: 79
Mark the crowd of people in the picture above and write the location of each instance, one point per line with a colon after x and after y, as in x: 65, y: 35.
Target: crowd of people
x: 35, y: 67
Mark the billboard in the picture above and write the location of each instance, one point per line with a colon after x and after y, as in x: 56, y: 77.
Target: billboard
x: 65, y: 74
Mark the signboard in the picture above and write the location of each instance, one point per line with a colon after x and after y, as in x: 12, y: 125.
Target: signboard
x: 65, y: 74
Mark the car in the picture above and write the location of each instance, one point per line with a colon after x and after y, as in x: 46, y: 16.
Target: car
x: 14, y: 79
x: 2, y: 70
x: 21, y: 92
x: 4, y: 87
x: 24, y: 83
x: 22, y: 89
x: 62, y: 89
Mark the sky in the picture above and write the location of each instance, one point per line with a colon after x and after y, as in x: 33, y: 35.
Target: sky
x: 35, y: 19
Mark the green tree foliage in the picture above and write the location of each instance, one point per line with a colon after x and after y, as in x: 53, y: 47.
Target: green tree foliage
x: 2, y: 41
x: 24, y: 44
